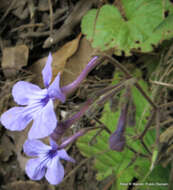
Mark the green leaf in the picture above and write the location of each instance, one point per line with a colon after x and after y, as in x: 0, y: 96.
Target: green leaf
x: 123, y: 165
x: 107, y: 28
x: 166, y: 26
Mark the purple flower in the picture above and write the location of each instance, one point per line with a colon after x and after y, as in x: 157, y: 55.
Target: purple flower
x: 47, y: 162
x: 37, y: 105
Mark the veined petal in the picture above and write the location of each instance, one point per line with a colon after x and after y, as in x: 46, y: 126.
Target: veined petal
x: 35, y: 148
x: 54, y: 90
x: 47, y: 71
x: 16, y: 119
x: 35, y: 169
x: 25, y: 93
x: 55, y: 171
x: 44, y: 122
x: 63, y: 155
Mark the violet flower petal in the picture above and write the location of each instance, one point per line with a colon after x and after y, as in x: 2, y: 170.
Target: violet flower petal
x: 35, y: 148
x: 55, y: 171
x: 24, y: 92
x: 47, y: 71
x: 63, y: 155
x: 44, y: 122
x: 15, y: 119
x: 54, y: 90
x: 35, y: 169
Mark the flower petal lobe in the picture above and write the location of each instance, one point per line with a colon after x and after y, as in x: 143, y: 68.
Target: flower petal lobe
x: 47, y: 71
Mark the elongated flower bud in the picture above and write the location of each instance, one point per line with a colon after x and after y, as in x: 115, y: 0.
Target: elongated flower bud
x: 117, y: 139
x: 68, y: 89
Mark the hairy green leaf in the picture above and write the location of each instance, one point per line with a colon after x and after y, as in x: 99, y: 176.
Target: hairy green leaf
x: 129, y: 28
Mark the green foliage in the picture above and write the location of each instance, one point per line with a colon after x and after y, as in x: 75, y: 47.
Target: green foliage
x: 123, y: 165
x: 131, y: 27
x: 166, y: 26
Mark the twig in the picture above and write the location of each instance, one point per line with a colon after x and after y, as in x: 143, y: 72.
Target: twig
x: 51, y: 17
x: 35, y: 34
x: 157, y: 128
x: 125, y: 71
x: 137, y: 153
x: 104, y: 126
x: 8, y: 10
x: 162, y: 84
x: 27, y: 26
x: 75, y: 169
x: 148, y: 124
x: 108, y: 185
x: 73, y: 19
x: 145, y: 146
x: 169, y: 104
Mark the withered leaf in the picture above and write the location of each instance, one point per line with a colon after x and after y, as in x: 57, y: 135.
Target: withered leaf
x: 13, y: 59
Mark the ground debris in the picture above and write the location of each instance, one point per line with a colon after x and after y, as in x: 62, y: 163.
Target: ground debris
x: 73, y: 19
x: 28, y: 185
x: 14, y: 58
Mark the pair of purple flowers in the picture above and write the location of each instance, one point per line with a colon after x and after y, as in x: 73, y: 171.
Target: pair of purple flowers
x: 37, y: 106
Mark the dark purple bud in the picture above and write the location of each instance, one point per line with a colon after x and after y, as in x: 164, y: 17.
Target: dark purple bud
x: 64, y: 125
x: 117, y: 139
x: 68, y: 89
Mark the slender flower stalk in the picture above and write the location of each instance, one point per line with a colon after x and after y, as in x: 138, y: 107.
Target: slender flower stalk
x: 75, y: 136
x: 63, y: 126
x: 68, y: 89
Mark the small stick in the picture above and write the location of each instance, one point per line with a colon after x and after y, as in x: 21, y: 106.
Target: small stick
x: 137, y: 153
x: 51, y: 17
x: 148, y: 125
x: 169, y: 104
x: 158, y: 129
x: 8, y: 10
x: 145, y: 146
x: 162, y: 84
x: 75, y: 169
x: 27, y: 26
x: 122, y: 68
x: 104, y: 126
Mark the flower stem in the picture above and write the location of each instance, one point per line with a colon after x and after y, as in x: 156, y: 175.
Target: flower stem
x: 63, y: 126
x: 68, y: 89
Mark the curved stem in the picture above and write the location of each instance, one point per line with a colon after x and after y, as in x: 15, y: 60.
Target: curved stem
x: 72, y: 86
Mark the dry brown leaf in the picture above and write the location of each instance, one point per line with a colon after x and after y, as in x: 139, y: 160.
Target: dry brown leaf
x: 166, y: 135
x: 60, y: 58
x: 13, y: 59
x: 28, y: 185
